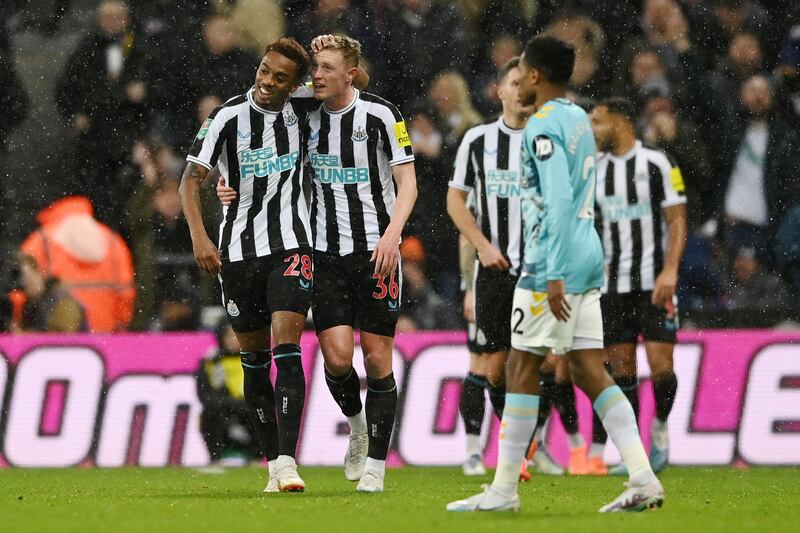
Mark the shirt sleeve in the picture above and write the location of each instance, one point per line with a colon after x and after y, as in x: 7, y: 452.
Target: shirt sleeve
x: 551, y: 165
x: 395, y: 131
x: 208, y: 143
x: 672, y: 183
x: 463, y: 172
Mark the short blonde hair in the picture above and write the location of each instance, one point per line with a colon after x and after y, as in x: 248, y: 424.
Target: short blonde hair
x: 349, y: 47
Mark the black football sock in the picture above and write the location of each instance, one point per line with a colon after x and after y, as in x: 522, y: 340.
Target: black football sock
x: 630, y: 388
x: 546, y: 383
x: 599, y: 435
x: 290, y: 396
x: 260, y: 400
x: 664, y: 388
x: 497, y: 395
x: 381, y: 405
x: 564, y: 398
x: 346, y: 391
x: 472, y: 404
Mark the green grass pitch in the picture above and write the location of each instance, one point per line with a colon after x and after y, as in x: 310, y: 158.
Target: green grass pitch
x: 176, y: 499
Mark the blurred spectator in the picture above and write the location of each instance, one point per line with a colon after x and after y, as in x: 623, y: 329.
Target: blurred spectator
x: 92, y: 261
x: 48, y: 305
x: 257, y: 22
x: 665, y: 32
x: 661, y: 126
x: 224, y: 68
x: 588, y: 39
x: 788, y: 75
x: 102, y: 92
x: 337, y: 17
x: 450, y: 94
x: 745, y: 59
x: 758, y: 163
x: 716, y: 21
x: 421, y: 37
x: 162, y: 247
x: 224, y: 422
x: 756, y: 292
x: 484, y: 81
x: 13, y: 100
x: 421, y: 308
x: 700, y: 280
x: 787, y: 251
x: 428, y: 221
x: 645, y: 77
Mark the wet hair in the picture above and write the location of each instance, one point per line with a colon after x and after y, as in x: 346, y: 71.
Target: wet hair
x: 553, y: 58
x: 293, y: 51
x: 349, y: 47
x: 503, y: 71
x: 619, y: 106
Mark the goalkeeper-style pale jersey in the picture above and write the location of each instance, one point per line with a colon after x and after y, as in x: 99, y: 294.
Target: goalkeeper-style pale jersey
x: 558, y: 190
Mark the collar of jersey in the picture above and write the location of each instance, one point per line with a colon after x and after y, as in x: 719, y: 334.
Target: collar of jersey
x: 627, y: 155
x: 255, y: 106
x: 508, y: 129
x: 346, y: 109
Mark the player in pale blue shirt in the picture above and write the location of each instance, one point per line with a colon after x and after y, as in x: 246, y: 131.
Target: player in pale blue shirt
x: 557, y: 300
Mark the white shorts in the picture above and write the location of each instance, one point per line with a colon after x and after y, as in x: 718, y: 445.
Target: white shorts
x: 535, y: 329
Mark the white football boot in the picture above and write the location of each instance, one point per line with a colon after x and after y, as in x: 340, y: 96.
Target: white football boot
x: 356, y: 456
x: 288, y: 478
x: 637, y: 498
x: 488, y: 500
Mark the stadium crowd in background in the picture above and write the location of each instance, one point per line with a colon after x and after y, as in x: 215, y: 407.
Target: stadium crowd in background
x: 716, y: 84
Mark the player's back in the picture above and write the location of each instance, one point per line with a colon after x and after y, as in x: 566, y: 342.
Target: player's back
x: 559, y: 170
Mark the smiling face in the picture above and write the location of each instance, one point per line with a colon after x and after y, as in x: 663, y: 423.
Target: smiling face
x: 331, y: 74
x: 276, y: 78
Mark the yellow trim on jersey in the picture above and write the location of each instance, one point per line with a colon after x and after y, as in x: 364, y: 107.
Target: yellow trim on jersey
x: 401, y: 134
x: 676, y: 179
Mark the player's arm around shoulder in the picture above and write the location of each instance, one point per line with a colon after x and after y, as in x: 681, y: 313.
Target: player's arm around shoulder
x: 205, y: 252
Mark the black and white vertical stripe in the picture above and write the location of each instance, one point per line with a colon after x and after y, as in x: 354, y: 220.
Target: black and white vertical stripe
x: 350, y: 216
x: 270, y: 213
x: 632, y: 190
x: 485, y: 149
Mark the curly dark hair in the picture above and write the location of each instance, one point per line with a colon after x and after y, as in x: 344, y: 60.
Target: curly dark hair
x: 293, y: 51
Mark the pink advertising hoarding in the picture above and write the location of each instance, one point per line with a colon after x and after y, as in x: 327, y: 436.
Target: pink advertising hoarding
x: 114, y: 400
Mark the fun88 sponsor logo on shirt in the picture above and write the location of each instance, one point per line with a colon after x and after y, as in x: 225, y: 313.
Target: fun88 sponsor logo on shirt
x: 262, y: 162
x: 327, y: 169
x: 502, y: 183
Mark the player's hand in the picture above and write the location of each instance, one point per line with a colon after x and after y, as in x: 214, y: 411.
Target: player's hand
x: 664, y: 291
x: 225, y: 194
x: 386, y: 253
x: 492, y: 258
x: 469, y: 305
x: 321, y: 41
x: 206, y: 255
x: 557, y: 298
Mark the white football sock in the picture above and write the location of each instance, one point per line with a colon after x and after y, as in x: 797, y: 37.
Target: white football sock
x: 617, y: 415
x: 516, y: 429
x: 474, y: 445
x: 358, y: 423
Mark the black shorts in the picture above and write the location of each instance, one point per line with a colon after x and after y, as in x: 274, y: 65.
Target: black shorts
x: 628, y: 316
x: 347, y: 292
x: 253, y: 289
x: 494, y: 295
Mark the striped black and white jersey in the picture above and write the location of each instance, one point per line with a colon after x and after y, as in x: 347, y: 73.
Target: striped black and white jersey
x: 351, y: 152
x: 632, y: 190
x: 487, y: 163
x: 260, y: 154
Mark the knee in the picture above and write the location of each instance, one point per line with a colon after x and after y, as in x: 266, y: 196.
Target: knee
x: 338, y: 366
x: 377, y: 363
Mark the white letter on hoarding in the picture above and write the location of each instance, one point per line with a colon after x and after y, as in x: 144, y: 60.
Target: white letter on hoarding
x: 83, y: 369
x: 3, y: 378
x: 162, y: 397
x: 766, y: 403
x: 321, y: 444
x: 419, y: 444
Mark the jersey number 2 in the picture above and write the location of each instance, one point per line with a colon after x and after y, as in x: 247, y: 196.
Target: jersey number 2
x: 304, y: 262
x: 587, y: 209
